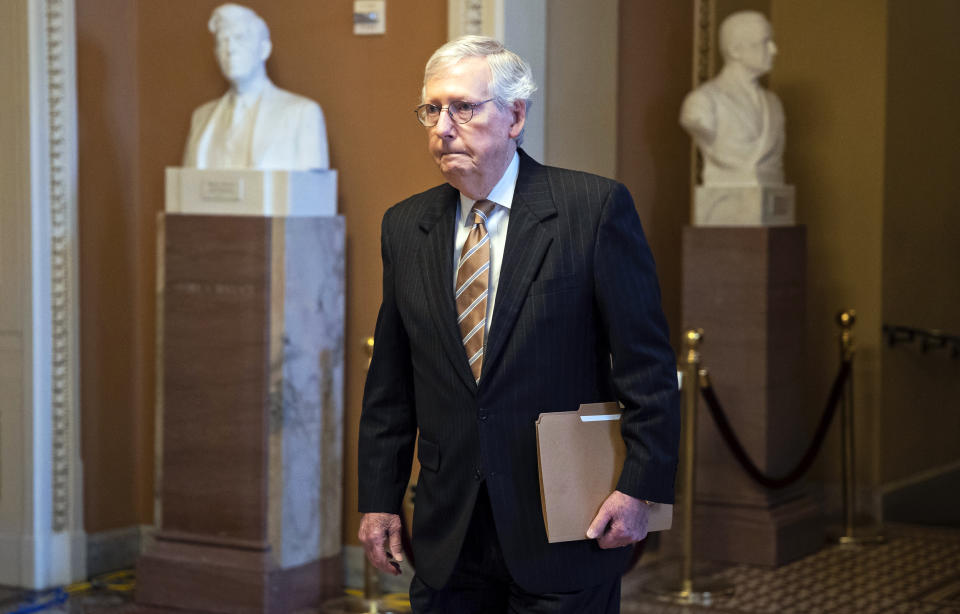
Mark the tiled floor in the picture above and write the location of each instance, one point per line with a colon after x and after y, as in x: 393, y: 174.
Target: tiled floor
x: 916, y: 572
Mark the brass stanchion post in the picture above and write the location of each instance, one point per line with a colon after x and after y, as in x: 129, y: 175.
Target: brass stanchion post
x: 372, y: 601
x: 689, y: 590
x: 850, y: 534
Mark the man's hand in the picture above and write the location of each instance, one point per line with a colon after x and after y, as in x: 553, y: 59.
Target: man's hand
x: 380, y: 535
x: 621, y: 521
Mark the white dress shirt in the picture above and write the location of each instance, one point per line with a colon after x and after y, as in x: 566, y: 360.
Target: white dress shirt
x: 502, y: 195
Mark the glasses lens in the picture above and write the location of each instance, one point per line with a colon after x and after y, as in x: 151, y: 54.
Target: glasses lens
x: 428, y: 114
x: 463, y: 111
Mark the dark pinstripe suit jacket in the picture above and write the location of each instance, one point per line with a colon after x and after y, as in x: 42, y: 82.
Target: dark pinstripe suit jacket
x: 577, y: 286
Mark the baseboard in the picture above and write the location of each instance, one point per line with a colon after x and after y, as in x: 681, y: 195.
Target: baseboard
x: 68, y: 556
x: 353, y: 564
x: 61, y: 560
x: 866, y: 498
x: 930, y: 497
x: 10, y: 559
x: 114, y: 549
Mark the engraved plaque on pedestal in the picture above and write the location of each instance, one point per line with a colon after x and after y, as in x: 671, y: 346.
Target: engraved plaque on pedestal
x: 744, y: 206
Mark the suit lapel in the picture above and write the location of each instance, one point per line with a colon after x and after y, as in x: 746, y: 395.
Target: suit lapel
x: 436, y: 267
x: 527, y: 242
x: 206, y: 133
x: 264, y: 112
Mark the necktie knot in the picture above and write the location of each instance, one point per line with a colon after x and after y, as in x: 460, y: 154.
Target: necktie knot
x: 482, y: 210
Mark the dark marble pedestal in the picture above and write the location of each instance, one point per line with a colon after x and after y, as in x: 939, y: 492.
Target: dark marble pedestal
x: 745, y: 286
x: 251, y: 415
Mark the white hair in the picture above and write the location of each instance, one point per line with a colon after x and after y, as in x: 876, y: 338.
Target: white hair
x: 235, y: 13
x: 511, y: 78
x: 731, y: 26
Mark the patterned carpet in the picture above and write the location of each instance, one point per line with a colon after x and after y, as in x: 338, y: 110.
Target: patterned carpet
x: 916, y: 572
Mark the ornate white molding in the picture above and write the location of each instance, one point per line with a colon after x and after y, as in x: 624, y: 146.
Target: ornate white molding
x: 42, y: 543
x: 704, y: 34
x: 483, y: 17
x: 59, y: 548
x: 62, y: 145
x: 704, y: 62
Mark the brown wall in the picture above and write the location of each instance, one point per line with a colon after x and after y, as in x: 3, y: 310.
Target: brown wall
x: 831, y: 76
x: 143, y: 68
x: 921, y: 253
x: 653, y: 152
x: 116, y: 479
x: 582, y: 48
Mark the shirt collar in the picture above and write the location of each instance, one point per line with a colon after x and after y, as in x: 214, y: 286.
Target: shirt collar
x: 251, y: 96
x: 501, y: 194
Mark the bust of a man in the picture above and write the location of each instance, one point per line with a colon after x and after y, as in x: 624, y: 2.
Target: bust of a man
x: 254, y: 124
x: 738, y: 124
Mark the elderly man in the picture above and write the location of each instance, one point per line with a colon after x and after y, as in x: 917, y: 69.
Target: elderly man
x: 255, y: 124
x: 512, y: 289
x: 737, y: 124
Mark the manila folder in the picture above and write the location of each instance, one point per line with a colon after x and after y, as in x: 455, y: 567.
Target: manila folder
x: 580, y: 455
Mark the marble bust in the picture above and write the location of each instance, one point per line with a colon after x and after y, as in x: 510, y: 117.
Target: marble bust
x: 738, y: 124
x: 254, y: 125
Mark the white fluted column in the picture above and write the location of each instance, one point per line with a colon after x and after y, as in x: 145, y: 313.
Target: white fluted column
x: 42, y: 542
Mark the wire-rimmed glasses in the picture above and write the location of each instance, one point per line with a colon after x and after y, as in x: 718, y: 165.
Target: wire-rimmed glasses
x: 460, y: 111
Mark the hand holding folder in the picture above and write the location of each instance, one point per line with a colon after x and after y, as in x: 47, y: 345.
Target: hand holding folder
x: 580, y: 455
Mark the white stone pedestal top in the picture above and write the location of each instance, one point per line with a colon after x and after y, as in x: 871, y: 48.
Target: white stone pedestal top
x: 756, y: 205
x: 251, y: 192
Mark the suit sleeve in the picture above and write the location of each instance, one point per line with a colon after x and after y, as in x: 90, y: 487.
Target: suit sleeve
x: 387, y: 423
x: 643, y: 363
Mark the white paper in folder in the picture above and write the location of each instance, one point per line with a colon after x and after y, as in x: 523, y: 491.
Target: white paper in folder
x: 580, y: 455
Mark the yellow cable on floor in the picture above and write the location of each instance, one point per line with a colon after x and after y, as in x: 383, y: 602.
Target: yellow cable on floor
x: 396, y: 598
x: 122, y: 581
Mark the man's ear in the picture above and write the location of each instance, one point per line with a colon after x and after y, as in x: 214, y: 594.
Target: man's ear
x: 519, y: 113
x: 265, y: 48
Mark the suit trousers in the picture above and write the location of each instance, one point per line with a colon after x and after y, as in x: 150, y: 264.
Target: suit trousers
x: 481, y: 582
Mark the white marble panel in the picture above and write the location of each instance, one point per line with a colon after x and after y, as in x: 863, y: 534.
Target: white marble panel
x: 744, y: 206
x: 251, y: 192
x: 306, y: 448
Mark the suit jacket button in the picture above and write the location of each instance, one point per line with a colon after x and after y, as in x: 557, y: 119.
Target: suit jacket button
x: 478, y: 475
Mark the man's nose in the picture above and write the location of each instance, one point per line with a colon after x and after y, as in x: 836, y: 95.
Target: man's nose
x: 445, y: 124
x: 773, y: 48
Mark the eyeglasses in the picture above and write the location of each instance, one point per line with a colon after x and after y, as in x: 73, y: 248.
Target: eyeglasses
x: 460, y: 111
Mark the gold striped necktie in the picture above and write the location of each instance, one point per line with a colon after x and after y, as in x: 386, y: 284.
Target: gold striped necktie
x: 473, y: 273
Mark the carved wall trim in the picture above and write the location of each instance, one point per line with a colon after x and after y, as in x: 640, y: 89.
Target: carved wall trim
x: 61, y: 182
x: 704, y: 61
x: 42, y: 532
x: 483, y: 17
x: 704, y: 33
x: 58, y: 52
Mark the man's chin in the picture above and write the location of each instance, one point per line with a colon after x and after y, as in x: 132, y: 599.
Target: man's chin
x: 454, y: 164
